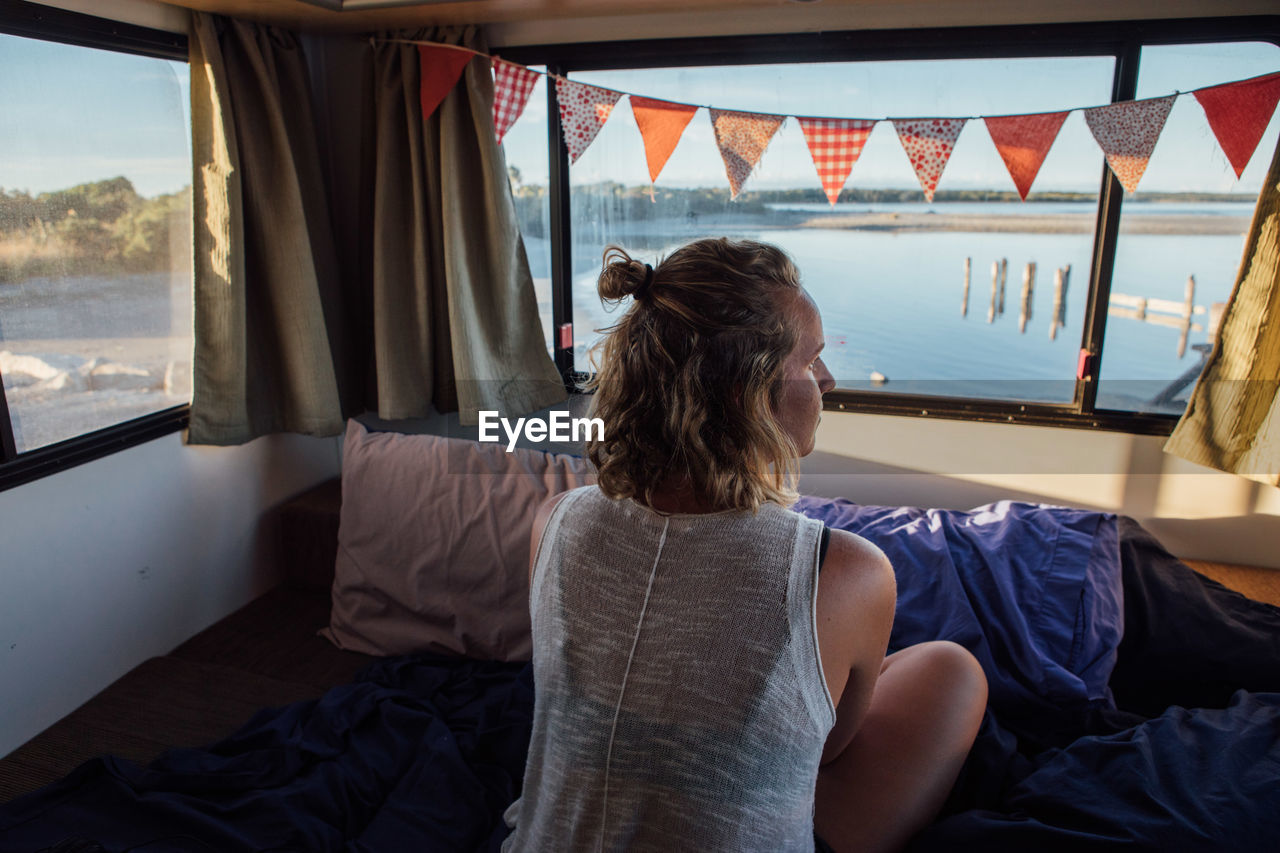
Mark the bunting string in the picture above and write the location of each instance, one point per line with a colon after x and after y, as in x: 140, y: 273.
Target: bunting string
x: 1237, y: 112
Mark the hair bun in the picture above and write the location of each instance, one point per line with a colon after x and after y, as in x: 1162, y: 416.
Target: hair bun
x: 623, y: 275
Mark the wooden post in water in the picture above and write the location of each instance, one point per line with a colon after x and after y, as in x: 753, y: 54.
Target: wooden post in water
x: 1028, y: 285
x: 1056, y: 314
x: 995, y: 283
x: 1188, y: 307
x: 1066, y: 284
x: 1004, y: 275
x: 964, y: 307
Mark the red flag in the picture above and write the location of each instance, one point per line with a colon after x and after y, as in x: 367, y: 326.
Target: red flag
x: 441, y: 66
x: 661, y: 124
x: 512, y: 85
x: 1239, y: 113
x: 1127, y: 133
x: 835, y: 144
x: 928, y: 143
x: 1023, y: 142
x: 583, y: 111
x: 742, y: 138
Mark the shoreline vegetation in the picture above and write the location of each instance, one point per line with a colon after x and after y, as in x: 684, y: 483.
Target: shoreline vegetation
x: 680, y: 212
x: 97, y: 228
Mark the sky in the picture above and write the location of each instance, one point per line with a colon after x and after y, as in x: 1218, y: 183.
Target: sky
x: 70, y: 115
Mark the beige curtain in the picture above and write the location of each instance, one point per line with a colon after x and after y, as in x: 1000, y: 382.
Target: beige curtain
x: 1232, y: 421
x: 438, y: 307
x: 267, y: 309
x: 453, y: 301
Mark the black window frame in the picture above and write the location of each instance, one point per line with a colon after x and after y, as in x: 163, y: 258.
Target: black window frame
x: 1122, y: 40
x: 74, y: 28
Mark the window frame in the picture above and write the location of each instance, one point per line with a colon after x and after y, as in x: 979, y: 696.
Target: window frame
x: 46, y: 23
x: 1122, y: 40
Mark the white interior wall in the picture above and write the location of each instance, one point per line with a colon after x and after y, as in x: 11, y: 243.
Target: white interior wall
x: 112, y: 562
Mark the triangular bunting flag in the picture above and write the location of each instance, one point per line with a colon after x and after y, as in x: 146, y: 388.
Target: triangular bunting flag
x: 835, y: 144
x: 1127, y: 133
x: 742, y: 138
x: 661, y: 124
x: 441, y: 67
x: 512, y: 85
x: 1023, y: 142
x: 928, y: 143
x: 1239, y: 113
x: 583, y: 111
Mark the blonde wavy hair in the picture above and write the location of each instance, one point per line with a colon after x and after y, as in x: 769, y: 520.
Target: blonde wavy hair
x: 688, y: 380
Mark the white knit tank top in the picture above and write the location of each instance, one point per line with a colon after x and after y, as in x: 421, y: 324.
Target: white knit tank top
x: 679, y: 697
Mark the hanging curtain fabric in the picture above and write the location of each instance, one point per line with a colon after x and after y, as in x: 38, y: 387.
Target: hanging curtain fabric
x: 1232, y: 421
x: 454, y: 312
x: 267, y: 318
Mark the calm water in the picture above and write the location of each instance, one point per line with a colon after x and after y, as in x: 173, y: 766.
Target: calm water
x: 891, y: 302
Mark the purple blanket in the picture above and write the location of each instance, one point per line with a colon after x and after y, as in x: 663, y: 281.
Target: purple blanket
x: 1033, y: 591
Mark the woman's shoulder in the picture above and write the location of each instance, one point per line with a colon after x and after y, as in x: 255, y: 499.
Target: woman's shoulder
x: 855, y: 569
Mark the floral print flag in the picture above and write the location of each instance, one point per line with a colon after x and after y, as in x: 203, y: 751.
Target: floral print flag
x: 1127, y: 133
x: 742, y: 138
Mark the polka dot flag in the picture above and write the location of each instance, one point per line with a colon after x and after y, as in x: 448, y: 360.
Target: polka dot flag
x: 928, y: 143
x: 583, y: 111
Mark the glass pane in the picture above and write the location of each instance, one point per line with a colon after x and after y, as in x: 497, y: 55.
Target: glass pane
x: 525, y: 147
x: 886, y: 267
x: 95, y: 238
x: 1181, y: 233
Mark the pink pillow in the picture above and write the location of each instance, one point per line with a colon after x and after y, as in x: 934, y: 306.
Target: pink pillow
x: 433, y: 543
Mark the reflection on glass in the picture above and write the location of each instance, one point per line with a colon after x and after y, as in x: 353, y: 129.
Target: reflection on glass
x: 95, y: 238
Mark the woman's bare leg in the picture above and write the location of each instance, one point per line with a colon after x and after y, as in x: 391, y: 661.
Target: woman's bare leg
x: 896, y: 773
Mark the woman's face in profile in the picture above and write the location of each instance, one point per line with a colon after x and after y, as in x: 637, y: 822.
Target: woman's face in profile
x: 804, y: 377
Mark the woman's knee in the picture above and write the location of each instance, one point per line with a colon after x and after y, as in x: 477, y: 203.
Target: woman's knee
x: 950, y: 669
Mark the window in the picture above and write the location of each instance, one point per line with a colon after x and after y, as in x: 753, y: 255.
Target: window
x: 95, y: 236
x: 887, y: 268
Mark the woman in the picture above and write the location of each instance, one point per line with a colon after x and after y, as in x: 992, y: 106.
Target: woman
x: 692, y: 634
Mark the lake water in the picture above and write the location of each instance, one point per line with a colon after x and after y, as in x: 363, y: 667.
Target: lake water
x: 892, y: 301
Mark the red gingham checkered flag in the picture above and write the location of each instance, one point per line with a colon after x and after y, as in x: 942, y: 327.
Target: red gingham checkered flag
x: 835, y: 144
x: 512, y: 85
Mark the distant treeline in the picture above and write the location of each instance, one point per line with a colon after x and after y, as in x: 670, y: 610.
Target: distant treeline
x: 613, y: 202
x: 99, y: 227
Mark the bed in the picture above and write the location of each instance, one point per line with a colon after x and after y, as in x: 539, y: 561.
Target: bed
x: 379, y: 700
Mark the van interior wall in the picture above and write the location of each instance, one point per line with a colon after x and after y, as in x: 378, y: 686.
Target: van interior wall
x: 1198, y: 513
x: 120, y: 559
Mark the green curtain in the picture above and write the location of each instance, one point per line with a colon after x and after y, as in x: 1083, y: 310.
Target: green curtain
x: 268, y: 330
x: 454, y: 303
x: 439, y: 308
x: 1232, y: 421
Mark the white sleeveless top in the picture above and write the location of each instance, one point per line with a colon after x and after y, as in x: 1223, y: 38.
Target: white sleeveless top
x: 679, y: 697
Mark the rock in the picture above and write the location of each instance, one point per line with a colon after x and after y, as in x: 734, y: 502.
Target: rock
x: 104, y: 375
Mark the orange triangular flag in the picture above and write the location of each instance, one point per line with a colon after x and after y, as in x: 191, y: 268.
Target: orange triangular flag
x: 1127, y: 133
x: 835, y: 144
x: 661, y: 124
x: 928, y: 143
x: 441, y: 66
x: 1239, y: 113
x: 742, y: 138
x: 1023, y: 142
